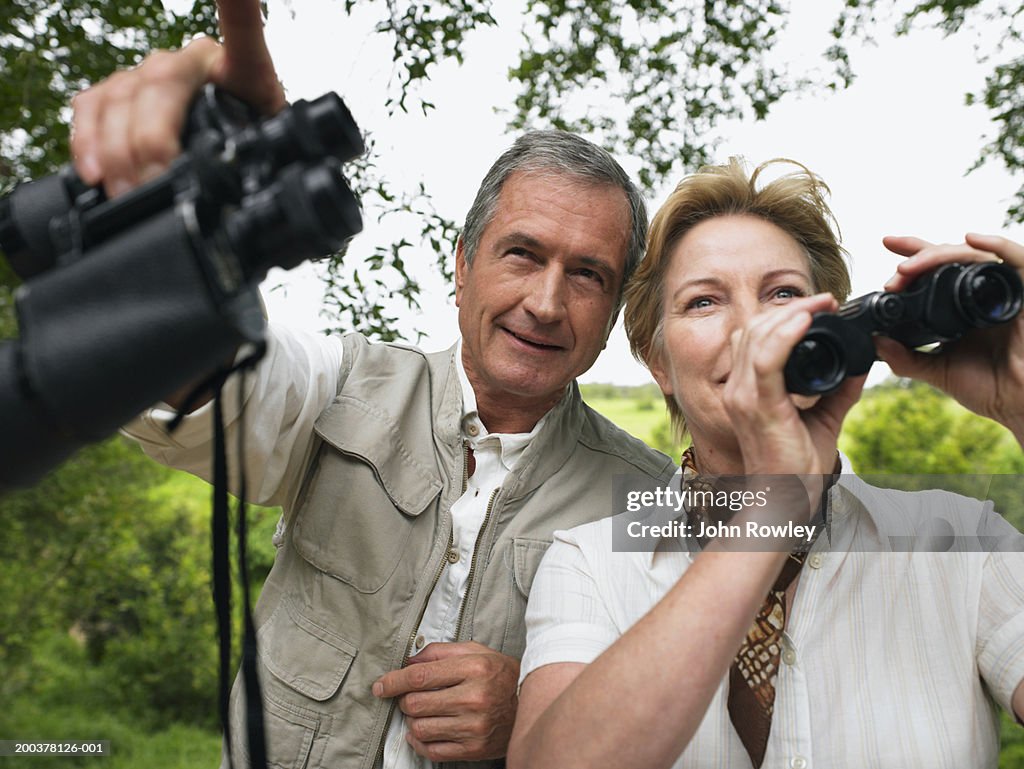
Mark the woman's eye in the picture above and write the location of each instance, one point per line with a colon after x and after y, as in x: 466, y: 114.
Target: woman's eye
x: 788, y: 292
x: 700, y: 303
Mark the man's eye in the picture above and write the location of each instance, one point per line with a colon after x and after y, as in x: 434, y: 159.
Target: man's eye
x: 591, y: 275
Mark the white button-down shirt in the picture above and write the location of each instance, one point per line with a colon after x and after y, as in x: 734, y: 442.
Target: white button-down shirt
x: 496, y: 455
x: 890, y: 659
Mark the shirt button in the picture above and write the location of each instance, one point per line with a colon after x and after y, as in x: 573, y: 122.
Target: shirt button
x: 798, y: 762
x: 816, y: 560
x: 453, y: 555
x: 789, y: 657
x: 472, y: 429
x: 420, y: 640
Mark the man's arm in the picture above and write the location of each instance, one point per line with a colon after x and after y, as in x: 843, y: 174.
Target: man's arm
x: 1018, y: 702
x: 286, y: 393
x: 663, y: 670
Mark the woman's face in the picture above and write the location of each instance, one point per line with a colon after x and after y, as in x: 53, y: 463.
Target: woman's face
x: 723, y: 272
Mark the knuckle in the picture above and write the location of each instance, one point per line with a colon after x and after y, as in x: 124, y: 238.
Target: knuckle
x: 417, y: 676
x: 120, y: 86
x: 434, y: 752
x: 203, y: 44
x: 83, y: 100
x: 160, y: 66
x: 417, y: 728
x: 411, y: 705
x: 154, y: 143
x: 762, y: 366
x: 478, y: 728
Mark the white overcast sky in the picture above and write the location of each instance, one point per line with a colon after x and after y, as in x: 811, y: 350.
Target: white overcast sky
x: 894, y: 148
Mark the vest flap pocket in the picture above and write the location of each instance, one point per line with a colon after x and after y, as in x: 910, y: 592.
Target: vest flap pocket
x: 356, y: 428
x: 526, y: 557
x: 308, y: 658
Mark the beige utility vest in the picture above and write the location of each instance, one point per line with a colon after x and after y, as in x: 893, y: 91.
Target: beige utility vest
x: 367, y: 537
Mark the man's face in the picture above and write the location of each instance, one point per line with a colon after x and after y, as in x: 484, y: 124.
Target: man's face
x: 536, y: 305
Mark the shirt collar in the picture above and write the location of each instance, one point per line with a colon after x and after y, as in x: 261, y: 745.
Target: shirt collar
x: 510, y: 445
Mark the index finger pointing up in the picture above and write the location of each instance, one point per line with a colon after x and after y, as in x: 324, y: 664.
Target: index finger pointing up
x: 247, y: 69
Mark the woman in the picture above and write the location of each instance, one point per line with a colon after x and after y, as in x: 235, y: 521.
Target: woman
x: 857, y: 658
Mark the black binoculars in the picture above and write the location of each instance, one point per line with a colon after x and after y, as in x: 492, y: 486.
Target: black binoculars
x: 130, y: 299
x: 940, y: 306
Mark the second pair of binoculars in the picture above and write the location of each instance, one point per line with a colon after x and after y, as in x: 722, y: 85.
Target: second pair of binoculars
x: 940, y: 306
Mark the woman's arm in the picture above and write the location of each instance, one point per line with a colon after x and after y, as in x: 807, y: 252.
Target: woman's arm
x: 642, y: 700
x: 650, y: 689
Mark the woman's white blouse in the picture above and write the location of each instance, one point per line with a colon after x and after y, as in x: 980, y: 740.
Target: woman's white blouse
x: 890, y: 659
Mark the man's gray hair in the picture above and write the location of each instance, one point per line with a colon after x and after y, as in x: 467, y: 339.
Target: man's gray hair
x: 563, y: 154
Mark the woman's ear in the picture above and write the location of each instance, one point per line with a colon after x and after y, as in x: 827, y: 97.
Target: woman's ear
x: 656, y: 365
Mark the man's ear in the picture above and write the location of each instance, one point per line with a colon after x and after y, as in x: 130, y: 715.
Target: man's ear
x: 656, y: 365
x: 461, y: 268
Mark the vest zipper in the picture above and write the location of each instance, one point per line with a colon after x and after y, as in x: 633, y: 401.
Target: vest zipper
x: 379, y: 759
x: 472, y: 564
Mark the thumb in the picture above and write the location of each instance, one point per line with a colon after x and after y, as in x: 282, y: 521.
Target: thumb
x: 906, y: 362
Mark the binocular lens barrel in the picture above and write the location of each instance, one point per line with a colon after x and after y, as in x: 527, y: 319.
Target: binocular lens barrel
x: 311, y: 130
x: 307, y: 213
x: 817, y: 365
x: 986, y: 294
x: 25, y: 217
x: 940, y: 306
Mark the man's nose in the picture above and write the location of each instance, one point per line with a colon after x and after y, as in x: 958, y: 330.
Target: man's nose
x: 546, y: 296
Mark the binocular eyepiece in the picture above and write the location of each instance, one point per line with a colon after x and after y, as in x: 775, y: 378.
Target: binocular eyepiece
x: 940, y: 306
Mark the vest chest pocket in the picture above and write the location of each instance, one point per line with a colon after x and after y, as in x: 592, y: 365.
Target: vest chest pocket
x: 363, y: 496
x: 523, y: 558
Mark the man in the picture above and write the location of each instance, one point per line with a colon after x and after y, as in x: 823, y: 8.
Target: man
x: 420, y: 491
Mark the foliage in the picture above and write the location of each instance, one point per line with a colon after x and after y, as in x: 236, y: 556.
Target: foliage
x: 51, y: 50
x: 1011, y: 756
x: 650, y: 79
x: 1003, y: 90
x: 72, y: 702
x: 909, y: 427
x: 122, y: 567
x: 678, y: 67
x: 673, y: 70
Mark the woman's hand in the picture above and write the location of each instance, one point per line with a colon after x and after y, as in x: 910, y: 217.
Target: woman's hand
x: 985, y: 370
x: 776, y: 434
x: 127, y: 128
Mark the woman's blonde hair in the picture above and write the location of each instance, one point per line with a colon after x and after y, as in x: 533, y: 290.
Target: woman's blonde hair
x: 794, y: 202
